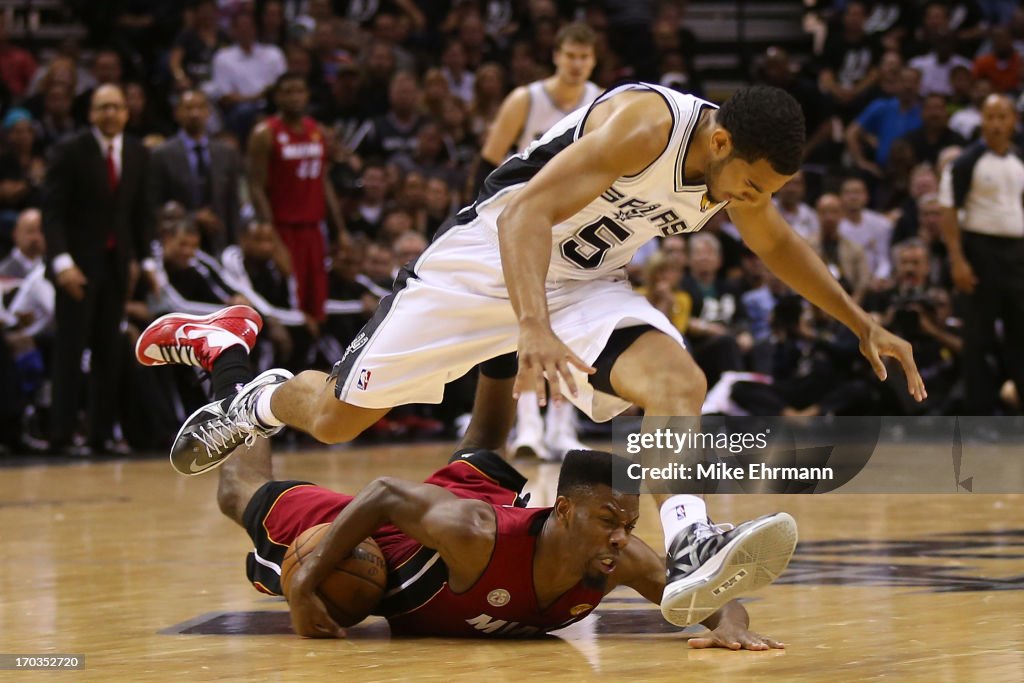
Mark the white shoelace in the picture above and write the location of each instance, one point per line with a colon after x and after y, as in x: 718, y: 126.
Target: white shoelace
x: 217, y: 435
x: 705, y: 530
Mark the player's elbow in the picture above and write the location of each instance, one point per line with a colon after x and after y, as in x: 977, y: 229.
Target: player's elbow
x: 384, y: 491
x: 506, y: 220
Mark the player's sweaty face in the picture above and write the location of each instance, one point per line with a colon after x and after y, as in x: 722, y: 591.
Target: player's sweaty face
x: 741, y: 182
x: 604, y: 521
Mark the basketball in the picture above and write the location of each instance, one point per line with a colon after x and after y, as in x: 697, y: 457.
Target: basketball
x: 355, y: 586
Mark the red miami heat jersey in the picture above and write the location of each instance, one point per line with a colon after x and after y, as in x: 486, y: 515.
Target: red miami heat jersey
x: 502, y: 602
x: 295, y: 174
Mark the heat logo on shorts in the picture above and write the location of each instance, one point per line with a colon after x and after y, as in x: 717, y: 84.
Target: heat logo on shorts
x: 364, y: 380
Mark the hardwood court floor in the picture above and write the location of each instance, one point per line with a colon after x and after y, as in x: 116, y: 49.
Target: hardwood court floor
x: 133, y: 566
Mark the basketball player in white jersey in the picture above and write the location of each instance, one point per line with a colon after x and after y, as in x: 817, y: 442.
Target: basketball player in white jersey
x: 535, y: 267
x: 526, y: 114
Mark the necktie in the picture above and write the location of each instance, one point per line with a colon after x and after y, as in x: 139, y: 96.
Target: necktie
x: 202, y: 176
x: 112, y: 180
x: 111, y: 168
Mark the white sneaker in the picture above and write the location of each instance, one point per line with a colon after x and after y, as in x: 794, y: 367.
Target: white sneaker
x: 211, y: 434
x: 560, y: 431
x: 708, y: 565
x: 529, y: 435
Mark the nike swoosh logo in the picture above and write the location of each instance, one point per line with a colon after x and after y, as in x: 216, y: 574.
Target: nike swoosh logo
x: 195, y: 467
x: 192, y: 332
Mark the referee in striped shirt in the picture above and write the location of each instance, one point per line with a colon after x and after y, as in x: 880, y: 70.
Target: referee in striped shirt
x: 982, y: 195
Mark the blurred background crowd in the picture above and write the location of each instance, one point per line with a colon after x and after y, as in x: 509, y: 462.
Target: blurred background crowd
x: 181, y: 212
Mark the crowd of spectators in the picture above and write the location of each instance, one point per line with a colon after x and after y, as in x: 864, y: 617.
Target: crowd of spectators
x: 403, y: 92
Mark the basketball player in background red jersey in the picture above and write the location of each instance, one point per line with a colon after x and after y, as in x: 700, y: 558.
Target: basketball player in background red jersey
x: 289, y: 187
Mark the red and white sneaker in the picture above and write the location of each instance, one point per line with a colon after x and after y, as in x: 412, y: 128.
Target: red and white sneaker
x: 197, y: 339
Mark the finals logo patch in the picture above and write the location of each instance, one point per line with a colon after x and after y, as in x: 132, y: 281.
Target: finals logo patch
x: 498, y: 597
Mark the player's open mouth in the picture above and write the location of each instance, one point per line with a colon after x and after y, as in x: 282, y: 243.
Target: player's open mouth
x: 607, y: 565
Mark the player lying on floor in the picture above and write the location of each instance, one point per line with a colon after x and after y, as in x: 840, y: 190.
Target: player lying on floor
x: 464, y: 557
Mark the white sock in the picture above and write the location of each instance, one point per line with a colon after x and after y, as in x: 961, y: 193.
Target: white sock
x: 679, y: 512
x: 263, y: 412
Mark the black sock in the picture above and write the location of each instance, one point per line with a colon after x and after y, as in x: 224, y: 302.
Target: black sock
x: 230, y: 371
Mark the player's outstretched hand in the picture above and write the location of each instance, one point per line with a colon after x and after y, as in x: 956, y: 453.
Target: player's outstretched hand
x: 878, y: 342
x: 309, y: 616
x: 735, y: 636
x: 542, y: 352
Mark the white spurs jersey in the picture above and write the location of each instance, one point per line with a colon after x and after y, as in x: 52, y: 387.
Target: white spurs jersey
x: 544, y: 113
x: 601, y: 239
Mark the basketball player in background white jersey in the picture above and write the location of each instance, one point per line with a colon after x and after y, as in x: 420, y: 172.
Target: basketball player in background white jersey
x: 526, y: 114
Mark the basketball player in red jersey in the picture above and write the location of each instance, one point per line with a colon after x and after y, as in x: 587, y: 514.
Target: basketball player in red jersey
x: 464, y: 557
x: 289, y: 187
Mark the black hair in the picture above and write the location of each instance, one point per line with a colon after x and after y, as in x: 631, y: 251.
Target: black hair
x: 288, y: 76
x: 583, y: 470
x: 765, y: 123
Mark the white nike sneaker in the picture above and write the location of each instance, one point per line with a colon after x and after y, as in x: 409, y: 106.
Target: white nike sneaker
x: 708, y: 565
x: 211, y: 434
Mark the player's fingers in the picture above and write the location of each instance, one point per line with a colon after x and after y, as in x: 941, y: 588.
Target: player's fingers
x: 552, y: 372
x: 915, y: 383
x: 754, y: 642
x: 578, y: 362
x: 539, y: 386
x: 871, y: 353
x: 523, y: 377
x: 701, y: 643
x: 774, y: 644
x: 566, y: 374
x: 519, y: 384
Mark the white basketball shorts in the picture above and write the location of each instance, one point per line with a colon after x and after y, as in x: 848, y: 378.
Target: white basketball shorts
x: 451, y: 311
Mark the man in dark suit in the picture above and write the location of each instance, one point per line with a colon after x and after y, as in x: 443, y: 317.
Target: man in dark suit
x: 199, y: 173
x: 98, y: 221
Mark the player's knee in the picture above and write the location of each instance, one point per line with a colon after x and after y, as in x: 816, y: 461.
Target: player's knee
x: 680, y: 392
x: 330, y: 427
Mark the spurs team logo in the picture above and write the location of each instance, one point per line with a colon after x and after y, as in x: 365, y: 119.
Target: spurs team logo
x: 364, y: 381
x: 498, y: 597
x: 357, y: 343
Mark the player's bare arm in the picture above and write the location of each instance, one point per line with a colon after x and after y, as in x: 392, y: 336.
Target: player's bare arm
x: 622, y: 137
x: 643, y: 570
x: 794, y: 262
x: 461, y: 530
x: 258, y: 163
x: 507, y: 126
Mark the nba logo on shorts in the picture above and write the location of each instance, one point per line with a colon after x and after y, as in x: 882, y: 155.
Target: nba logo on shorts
x: 364, y: 379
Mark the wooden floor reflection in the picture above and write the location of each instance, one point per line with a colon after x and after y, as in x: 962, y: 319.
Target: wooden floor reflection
x: 133, y: 566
